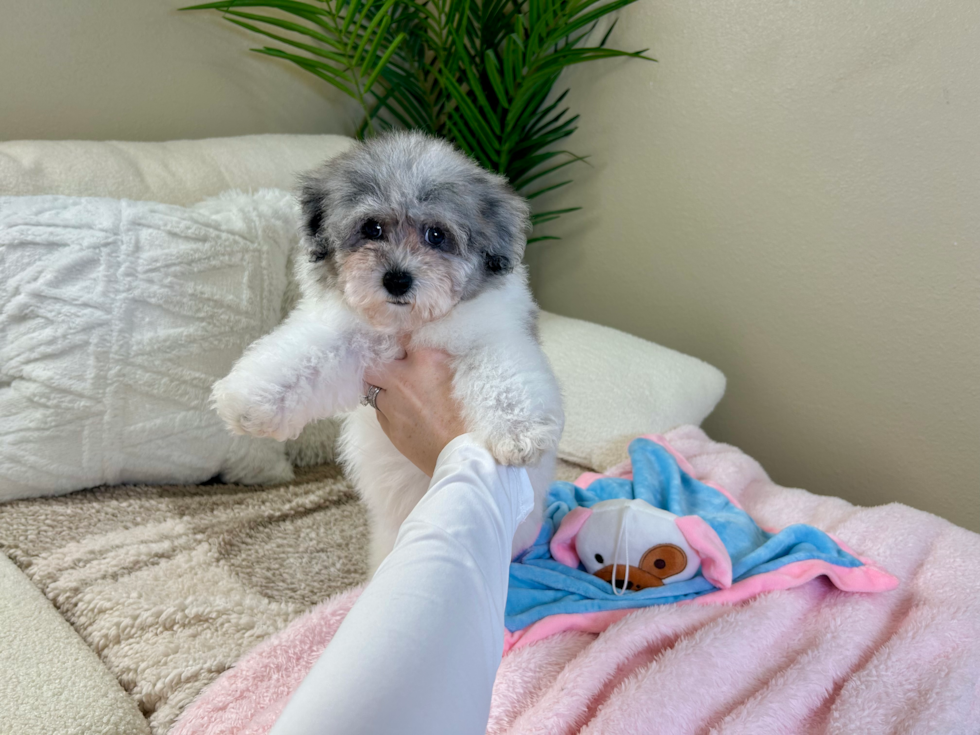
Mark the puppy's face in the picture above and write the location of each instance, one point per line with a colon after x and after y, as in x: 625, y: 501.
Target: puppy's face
x: 407, y: 227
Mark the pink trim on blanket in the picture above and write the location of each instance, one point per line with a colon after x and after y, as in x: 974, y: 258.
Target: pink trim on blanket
x: 849, y: 579
x: 587, y: 478
x: 849, y: 550
x: 590, y: 622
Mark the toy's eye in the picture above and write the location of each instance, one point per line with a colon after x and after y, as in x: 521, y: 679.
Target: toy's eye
x: 372, y: 230
x: 435, y: 236
x: 660, y: 564
x: 598, y: 558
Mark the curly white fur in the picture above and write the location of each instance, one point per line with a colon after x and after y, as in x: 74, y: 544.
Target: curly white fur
x: 367, y: 214
x: 312, y: 367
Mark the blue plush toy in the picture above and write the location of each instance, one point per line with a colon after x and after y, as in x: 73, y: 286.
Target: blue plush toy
x: 661, y: 536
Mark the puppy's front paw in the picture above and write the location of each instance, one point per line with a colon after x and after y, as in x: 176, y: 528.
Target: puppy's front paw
x: 255, y: 410
x: 525, y: 445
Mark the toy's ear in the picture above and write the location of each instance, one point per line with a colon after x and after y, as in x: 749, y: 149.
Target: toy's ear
x: 716, y: 564
x: 563, y: 542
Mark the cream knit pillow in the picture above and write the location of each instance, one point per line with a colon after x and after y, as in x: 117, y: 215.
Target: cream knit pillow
x: 116, y: 317
x: 616, y: 386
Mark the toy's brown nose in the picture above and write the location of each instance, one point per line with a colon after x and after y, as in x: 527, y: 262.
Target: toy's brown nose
x: 632, y: 578
x: 397, y: 283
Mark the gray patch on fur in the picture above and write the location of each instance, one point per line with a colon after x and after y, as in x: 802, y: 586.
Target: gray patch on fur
x: 407, y: 182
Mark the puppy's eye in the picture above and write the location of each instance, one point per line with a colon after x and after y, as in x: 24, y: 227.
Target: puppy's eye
x: 435, y: 236
x: 598, y: 558
x: 372, y: 230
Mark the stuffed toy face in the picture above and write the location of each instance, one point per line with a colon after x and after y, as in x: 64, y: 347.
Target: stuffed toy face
x: 633, y: 545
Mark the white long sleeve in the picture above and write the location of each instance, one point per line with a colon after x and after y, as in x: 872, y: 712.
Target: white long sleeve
x: 418, y: 652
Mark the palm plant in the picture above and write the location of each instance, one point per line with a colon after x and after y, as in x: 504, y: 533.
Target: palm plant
x: 479, y: 73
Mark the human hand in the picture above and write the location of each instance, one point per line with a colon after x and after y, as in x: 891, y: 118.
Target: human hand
x: 416, y: 408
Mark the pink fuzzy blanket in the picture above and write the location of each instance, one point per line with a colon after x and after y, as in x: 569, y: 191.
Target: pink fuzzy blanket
x: 802, y: 660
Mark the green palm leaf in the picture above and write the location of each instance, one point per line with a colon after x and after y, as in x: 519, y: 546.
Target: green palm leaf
x: 480, y: 73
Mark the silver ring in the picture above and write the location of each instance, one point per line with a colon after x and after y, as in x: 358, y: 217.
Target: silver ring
x: 371, y: 398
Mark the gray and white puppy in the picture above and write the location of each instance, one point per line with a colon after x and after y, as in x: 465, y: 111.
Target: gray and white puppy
x: 406, y: 238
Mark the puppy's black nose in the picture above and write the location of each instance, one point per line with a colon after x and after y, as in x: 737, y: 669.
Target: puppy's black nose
x: 397, y: 282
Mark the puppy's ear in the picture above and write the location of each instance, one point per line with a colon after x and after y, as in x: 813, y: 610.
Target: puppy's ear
x: 504, y: 222
x: 312, y: 199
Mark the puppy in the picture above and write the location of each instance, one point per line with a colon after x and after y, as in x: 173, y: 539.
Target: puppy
x: 405, y: 237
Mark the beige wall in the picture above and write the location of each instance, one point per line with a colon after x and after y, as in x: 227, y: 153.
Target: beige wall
x: 139, y: 70
x: 793, y: 194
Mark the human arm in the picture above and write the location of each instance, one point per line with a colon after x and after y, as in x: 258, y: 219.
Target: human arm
x: 419, y: 651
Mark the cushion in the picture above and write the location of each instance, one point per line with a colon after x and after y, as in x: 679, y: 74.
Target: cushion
x: 176, y: 172
x: 116, y: 317
x: 617, y: 386
x: 52, y: 682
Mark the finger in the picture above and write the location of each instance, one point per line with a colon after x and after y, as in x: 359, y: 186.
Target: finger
x: 380, y: 401
x: 378, y: 375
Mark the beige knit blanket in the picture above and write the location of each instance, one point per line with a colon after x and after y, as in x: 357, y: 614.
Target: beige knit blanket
x: 171, y: 585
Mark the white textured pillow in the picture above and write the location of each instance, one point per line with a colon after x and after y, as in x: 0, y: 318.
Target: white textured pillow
x: 115, y: 319
x: 616, y: 386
